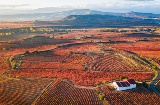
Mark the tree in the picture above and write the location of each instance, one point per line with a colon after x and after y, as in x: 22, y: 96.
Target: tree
x: 92, y: 41
x: 14, y: 65
x: 154, y: 67
x: 123, y: 77
x: 3, y: 48
x: 104, y: 82
x: 27, y: 52
x: 52, y: 36
x: 101, y: 96
x: 35, y: 52
x: 145, y: 84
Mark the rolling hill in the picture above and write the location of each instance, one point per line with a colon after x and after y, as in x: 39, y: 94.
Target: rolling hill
x: 58, y: 14
x: 79, y: 21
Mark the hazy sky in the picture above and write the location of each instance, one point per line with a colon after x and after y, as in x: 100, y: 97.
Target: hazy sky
x: 104, y: 5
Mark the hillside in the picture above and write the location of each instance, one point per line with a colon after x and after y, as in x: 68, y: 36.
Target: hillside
x: 46, y: 14
x: 106, y: 21
x: 142, y: 15
x: 57, y: 14
x: 77, y: 66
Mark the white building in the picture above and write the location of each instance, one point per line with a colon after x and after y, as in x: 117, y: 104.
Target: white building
x: 124, y: 85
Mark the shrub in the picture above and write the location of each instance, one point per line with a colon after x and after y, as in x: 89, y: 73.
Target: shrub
x: 101, y: 96
x: 145, y: 84
x: 36, y: 52
x: 104, y: 82
x: 154, y: 67
x: 27, y: 52
x: 123, y: 77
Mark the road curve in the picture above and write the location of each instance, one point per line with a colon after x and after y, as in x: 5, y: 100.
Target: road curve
x: 152, y: 84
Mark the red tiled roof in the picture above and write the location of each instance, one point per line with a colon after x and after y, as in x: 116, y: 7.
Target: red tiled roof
x: 124, y: 84
x: 131, y: 81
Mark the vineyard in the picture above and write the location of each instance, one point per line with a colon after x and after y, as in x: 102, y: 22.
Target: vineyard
x: 16, y: 25
x: 56, y: 60
x: 80, y: 77
x: 145, y: 97
x: 148, y: 49
x: 66, y: 67
x: 2, y: 71
x: 4, y: 63
x: 21, y: 91
x: 157, y: 60
x: 65, y: 94
x: 83, y: 64
x: 113, y: 63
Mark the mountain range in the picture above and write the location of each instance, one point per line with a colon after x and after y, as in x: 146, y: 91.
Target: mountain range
x: 97, y: 21
x: 61, y: 13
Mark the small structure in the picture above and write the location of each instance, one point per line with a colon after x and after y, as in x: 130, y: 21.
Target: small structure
x: 124, y: 85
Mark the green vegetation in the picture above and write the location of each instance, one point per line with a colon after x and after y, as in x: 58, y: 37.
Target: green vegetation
x: 26, y: 53
x: 17, y: 76
x: 98, y: 83
x: 104, y: 82
x: 111, y: 87
x: 145, y: 84
x: 7, y: 32
x: 92, y: 41
x: 123, y: 77
x: 154, y: 67
x: 35, y: 52
x: 101, y: 96
x: 121, y: 30
x: 157, y: 31
x: 156, y: 75
x: 52, y: 36
x: 4, y: 49
x: 15, y: 61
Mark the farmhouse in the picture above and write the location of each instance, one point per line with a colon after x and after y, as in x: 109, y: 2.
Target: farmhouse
x: 124, y: 85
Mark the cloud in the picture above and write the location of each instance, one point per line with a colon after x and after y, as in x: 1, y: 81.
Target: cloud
x: 139, y: 0
x: 13, y: 6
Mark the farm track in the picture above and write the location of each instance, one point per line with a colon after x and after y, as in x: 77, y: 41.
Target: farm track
x: 43, y: 91
x: 152, y: 84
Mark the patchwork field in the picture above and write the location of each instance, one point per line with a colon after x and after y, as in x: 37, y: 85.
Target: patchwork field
x: 21, y: 91
x: 67, y: 67
x: 64, y: 93
x: 130, y: 97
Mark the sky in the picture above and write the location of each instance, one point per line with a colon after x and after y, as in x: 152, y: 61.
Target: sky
x: 102, y: 5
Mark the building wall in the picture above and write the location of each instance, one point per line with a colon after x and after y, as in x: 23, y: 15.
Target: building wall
x: 123, y: 88
x: 132, y: 86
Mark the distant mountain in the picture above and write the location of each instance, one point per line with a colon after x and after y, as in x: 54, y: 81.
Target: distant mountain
x: 53, y: 13
x: 106, y: 21
x: 34, y: 11
x: 11, y: 12
x: 50, y: 10
x: 49, y: 16
x: 141, y: 15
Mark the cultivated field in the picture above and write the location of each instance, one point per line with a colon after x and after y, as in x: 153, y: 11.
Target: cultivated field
x: 130, y: 97
x: 21, y: 91
x: 64, y: 93
x: 66, y: 66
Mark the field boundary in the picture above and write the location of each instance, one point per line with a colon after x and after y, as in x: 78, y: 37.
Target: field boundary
x: 33, y: 103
